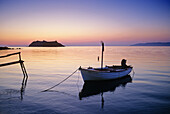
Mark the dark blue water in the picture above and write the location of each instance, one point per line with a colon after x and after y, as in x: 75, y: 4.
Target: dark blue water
x: 145, y: 92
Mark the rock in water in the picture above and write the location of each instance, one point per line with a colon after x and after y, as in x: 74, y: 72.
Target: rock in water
x: 5, y: 48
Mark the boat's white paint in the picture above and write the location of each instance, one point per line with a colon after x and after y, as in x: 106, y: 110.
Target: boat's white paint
x: 91, y: 74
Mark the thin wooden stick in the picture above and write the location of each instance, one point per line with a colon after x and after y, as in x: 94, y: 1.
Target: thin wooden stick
x: 10, y: 54
x: 10, y: 63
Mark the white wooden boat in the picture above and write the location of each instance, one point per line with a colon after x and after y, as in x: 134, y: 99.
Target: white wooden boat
x: 105, y: 73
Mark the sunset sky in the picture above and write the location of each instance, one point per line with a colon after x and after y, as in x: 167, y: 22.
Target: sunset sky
x: 84, y: 22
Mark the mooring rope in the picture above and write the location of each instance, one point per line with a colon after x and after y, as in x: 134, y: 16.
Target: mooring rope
x: 60, y: 82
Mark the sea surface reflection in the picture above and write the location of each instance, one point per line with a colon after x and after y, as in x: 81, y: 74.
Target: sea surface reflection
x: 91, y: 88
x: 6, y: 94
x: 46, y: 67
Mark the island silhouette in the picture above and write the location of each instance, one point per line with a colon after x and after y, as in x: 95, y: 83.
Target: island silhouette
x: 46, y: 44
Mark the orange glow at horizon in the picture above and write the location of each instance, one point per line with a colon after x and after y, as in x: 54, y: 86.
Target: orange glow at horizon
x: 75, y: 35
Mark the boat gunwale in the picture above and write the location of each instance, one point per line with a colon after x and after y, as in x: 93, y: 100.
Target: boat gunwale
x: 105, y: 70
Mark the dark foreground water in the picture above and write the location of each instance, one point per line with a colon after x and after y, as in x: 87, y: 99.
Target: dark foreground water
x: 148, y: 91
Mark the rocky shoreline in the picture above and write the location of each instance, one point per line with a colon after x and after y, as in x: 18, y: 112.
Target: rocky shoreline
x: 7, y: 48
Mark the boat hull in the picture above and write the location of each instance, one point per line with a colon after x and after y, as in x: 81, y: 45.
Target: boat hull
x: 92, y: 75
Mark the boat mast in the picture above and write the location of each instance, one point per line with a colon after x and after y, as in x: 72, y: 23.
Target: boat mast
x: 102, y: 54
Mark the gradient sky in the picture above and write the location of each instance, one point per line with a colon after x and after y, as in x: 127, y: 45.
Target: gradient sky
x: 84, y: 22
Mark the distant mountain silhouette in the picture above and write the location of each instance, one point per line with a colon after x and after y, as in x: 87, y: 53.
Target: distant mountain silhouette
x: 45, y: 44
x: 152, y: 44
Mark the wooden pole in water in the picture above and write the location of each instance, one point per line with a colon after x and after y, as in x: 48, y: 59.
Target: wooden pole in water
x: 102, y: 55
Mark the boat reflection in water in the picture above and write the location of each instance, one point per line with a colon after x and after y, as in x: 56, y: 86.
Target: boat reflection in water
x: 99, y: 87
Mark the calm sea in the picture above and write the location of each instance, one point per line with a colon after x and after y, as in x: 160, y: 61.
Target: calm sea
x: 147, y: 91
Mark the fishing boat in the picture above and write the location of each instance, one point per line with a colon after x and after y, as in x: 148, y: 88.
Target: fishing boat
x: 107, y: 72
